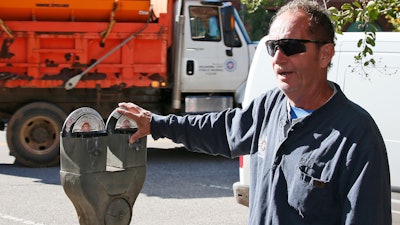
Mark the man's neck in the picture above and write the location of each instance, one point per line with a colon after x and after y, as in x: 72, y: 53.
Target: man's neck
x: 314, y: 99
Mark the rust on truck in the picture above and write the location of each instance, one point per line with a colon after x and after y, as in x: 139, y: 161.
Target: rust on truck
x: 56, y: 40
x: 121, y: 46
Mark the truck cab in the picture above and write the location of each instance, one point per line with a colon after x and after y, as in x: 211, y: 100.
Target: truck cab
x: 373, y: 87
x: 214, y: 58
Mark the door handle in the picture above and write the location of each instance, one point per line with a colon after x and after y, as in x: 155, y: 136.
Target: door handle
x: 229, y: 52
x: 190, y: 67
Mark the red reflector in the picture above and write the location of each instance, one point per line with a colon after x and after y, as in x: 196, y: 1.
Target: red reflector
x: 241, y: 161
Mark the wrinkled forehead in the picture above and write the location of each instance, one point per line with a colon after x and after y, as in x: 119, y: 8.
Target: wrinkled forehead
x: 291, y: 24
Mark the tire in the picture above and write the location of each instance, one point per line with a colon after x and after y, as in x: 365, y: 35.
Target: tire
x: 33, y: 134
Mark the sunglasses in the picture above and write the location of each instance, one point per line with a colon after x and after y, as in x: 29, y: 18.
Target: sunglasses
x: 289, y: 46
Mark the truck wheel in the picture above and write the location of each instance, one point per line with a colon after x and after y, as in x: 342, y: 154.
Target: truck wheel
x: 33, y: 134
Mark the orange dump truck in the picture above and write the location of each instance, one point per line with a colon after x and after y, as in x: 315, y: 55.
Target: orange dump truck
x: 185, y: 56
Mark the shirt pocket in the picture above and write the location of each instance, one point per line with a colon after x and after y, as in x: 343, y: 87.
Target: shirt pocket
x: 309, y: 195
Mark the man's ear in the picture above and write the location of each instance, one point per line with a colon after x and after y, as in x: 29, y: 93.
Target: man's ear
x: 326, y: 54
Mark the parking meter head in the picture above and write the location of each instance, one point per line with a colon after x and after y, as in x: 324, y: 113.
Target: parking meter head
x: 84, y: 121
x: 122, y: 154
x: 117, y: 123
x: 83, y: 142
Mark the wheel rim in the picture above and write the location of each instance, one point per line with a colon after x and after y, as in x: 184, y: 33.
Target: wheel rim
x: 39, y: 135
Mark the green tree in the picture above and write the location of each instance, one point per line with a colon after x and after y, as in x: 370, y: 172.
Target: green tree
x: 364, y: 13
x: 257, y: 16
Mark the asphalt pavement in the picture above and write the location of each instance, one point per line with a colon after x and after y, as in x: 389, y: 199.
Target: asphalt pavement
x: 181, y: 188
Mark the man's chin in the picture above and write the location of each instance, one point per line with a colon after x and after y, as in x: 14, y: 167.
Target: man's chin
x: 287, y: 89
x: 284, y: 86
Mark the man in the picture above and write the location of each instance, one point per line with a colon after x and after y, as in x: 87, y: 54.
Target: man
x: 316, y: 157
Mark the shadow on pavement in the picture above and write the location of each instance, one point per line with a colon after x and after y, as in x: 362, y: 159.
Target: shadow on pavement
x: 171, y: 173
x: 49, y: 175
x: 178, y: 173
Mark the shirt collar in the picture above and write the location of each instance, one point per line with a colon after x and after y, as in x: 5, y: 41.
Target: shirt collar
x: 331, y: 84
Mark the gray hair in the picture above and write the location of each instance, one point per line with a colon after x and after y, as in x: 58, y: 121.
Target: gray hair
x: 320, y: 25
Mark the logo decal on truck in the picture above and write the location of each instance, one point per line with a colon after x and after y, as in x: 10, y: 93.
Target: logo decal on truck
x: 230, y: 65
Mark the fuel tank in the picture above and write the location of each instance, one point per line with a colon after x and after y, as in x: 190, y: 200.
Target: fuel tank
x: 75, y: 10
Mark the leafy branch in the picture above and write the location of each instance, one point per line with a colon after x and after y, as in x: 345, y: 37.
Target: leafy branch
x: 254, y: 5
x: 362, y: 12
x: 365, y: 14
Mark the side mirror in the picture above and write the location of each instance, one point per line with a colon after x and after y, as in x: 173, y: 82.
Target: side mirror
x: 228, y: 24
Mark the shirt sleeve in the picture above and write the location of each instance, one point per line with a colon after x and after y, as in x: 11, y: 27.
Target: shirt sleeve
x: 228, y: 133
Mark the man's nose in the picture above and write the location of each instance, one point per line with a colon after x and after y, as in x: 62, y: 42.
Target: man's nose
x: 276, y: 48
x: 279, y: 56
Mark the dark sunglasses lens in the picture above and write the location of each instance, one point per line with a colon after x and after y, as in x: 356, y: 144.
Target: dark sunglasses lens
x: 292, y: 47
x: 271, y: 47
x: 289, y: 47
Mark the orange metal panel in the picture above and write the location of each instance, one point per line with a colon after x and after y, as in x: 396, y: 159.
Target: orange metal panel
x: 74, y: 10
x: 42, y: 56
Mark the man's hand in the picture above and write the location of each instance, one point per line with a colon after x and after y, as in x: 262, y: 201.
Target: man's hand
x: 141, y: 116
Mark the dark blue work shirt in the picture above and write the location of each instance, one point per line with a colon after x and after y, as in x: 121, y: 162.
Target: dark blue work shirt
x: 328, y: 168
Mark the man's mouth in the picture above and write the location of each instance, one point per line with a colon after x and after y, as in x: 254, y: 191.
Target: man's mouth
x: 283, y: 73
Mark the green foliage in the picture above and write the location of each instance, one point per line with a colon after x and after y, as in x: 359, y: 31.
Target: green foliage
x: 254, y: 5
x: 257, y: 16
x: 362, y: 12
x: 365, y: 13
x: 257, y: 23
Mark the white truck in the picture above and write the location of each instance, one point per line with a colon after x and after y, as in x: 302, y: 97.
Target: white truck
x: 373, y: 87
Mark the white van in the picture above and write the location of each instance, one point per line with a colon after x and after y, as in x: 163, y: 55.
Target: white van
x: 376, y: 88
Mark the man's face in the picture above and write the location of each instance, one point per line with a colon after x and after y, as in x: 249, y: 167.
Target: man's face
x: 300, y: 73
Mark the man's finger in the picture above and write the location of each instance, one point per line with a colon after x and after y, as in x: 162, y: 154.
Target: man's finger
x: 127, y: 113
x: 134, y: 137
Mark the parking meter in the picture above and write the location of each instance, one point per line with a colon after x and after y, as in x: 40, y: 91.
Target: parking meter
x: 101, y: 181
x: 121, y: 153
x: 128, y: 160
x: 83, y: 142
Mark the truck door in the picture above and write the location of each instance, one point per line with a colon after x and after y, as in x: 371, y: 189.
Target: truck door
x: 208, y: 64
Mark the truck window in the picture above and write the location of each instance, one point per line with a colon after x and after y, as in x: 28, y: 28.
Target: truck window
x: 204, y: 23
